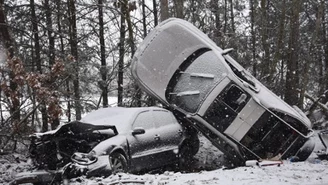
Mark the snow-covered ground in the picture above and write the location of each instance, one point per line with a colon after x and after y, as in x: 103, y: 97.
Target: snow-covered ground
x: 208, y: 167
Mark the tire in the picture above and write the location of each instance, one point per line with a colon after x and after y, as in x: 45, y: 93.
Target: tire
x: 306, y: 150
x: 118, y: 163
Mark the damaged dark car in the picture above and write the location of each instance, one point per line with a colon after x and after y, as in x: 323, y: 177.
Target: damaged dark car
x: 112, y: 140
x: 187, y: 72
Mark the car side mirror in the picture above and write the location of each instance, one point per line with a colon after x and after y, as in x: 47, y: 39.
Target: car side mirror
x: 138, y: 131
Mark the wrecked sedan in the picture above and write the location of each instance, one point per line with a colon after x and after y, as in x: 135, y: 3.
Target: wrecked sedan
x: 117, y: 139
x: 185, y: 70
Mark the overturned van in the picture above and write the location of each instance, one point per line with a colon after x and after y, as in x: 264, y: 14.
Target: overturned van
x: 185, y: 70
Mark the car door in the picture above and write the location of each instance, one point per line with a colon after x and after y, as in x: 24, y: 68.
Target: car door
x: 143, y: 146
x: 171, y: 135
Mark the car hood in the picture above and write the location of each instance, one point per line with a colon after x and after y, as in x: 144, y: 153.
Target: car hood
x: 75, y: 129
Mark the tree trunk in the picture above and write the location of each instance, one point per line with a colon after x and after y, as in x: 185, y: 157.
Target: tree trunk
x: 232, y: 17
x: 265, y: 45
x: 225, y: 25
x: 217, y: 31
x: 121, y: 59
x: 5, y: 37
x: 253, y: 38
x: 74, y: 52
x: 323, y: 83
x: 103, y: 70
x: 7, y: 42
x: 154, y: 12
x: 136, y: 100
x: 164, y: 10
x: 325, y: 45
x: 62, y: 49
x: 51, y: 52
x: 144, y: 23
x: 312, y: 55
x: 279, y: 44
x: 292, y: 78
x: 37, y: 50
x: 178, y: 6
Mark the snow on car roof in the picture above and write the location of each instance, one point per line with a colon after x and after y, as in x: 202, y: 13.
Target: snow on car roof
x: 118, y: 116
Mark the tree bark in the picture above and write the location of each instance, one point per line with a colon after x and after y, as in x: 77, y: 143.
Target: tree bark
x: 232, y: 17
x: 217, y: 31
x: 281, y: 33
x: 265, y: 45
x: 121, y: 59
x: 144, y: 23
x: 37, y: 50
x: 7, y: 42
x: 74, y: 52
x: 5, y: 36
x: 292, y: 78
x: 178, y: 6
x: 253, y: 38
x: 325, y: 43
x: 51, y: 39
x: 62, y: 49
x: 154, y: 12
x: 312, y: 54
x: 323, y: 83
x: 103, y: 70
x: 164, y: 10
x: 225, y: 25
x: 51, y: 52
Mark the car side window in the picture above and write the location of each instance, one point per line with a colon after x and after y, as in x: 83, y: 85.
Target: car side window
x: 163, y: 118
x: 144, y: 120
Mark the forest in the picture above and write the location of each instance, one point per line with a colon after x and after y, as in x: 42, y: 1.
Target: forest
x: 61, y: 59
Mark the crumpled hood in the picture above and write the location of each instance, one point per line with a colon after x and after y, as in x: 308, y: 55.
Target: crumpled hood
x: 72, y: 129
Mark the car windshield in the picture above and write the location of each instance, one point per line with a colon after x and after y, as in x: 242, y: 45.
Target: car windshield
x: 195, y: 78
x: 116, y: 116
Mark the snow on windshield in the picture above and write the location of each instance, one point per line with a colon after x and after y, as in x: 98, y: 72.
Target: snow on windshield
x: 117, y: 116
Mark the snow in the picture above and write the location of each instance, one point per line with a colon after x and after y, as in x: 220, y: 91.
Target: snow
x: 209, y: 169
x: 188, y: 93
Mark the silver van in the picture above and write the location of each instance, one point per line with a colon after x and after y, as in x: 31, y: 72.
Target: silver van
x: 187, y: 72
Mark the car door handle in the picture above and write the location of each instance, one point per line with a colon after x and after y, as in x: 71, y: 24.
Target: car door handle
x: 157, y: 137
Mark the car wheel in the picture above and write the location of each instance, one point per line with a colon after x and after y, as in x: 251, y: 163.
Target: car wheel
x: 118, y: 163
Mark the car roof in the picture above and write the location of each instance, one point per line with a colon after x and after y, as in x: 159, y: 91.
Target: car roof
x: 115, y: 115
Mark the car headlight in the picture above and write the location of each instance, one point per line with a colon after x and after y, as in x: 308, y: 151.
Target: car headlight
x: 92, y: 155
x: 83, y: 158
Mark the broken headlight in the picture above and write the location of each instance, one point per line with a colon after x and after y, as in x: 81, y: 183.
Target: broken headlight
x: 83, y: 158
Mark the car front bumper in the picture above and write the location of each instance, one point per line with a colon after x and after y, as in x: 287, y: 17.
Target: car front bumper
x: 101, y: 167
